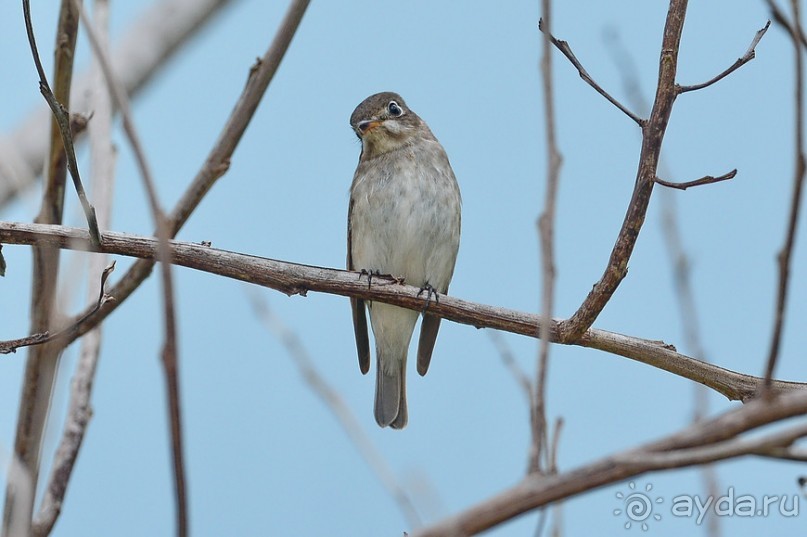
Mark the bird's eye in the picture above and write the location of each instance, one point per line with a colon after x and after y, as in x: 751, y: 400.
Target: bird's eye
x: 394, y: 109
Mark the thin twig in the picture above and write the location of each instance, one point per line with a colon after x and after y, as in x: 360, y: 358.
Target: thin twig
x: 331, y: 398
x: 546, y: 232
x: 292, y: 278
x: 742, y: 60
x: 60, y: 112
x: 146, y: 45
x: 40, y: 338
x: 706, y: 180
x: 170, y: 355
x: 564, y: 47
x: 784, y: 256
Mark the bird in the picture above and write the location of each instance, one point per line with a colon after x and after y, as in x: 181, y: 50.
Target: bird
x: 404, y: 221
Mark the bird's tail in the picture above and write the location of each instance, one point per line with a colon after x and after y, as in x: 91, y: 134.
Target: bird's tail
x: 390, y: 393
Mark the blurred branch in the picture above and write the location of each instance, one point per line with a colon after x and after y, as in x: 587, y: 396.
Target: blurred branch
x: 564, y: 47
x: 509, y: 360
x: 42, y: 361
x: 709, y: 441
x: 170, y: 358
x: 784, y: 257
x: 749, y: 55
x: 292, y: 279
x: 331, y: 398
x: 706, y: 180
x: 146, y: 46
x: 546, y: 233
x: 781, y: 19
x: 103, y: 157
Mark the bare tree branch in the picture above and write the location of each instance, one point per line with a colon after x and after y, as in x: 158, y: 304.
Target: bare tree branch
x: 294, y: 279
x: 103, y: 158
x: 706, y: 180
x: 145, y: 46
x: 546, y: 232
x: 564, y: 47
x: 742, y: 60
x: 42, y: 362
x: 784, y: 257
x: 170, y: 354
x: 708, y: 441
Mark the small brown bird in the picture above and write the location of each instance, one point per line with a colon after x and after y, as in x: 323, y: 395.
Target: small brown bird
x: 403, y: 220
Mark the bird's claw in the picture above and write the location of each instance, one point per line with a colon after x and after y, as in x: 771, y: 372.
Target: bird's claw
x: 430, y: 291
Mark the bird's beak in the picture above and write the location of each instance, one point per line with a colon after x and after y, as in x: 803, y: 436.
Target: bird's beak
x: 368, y: 125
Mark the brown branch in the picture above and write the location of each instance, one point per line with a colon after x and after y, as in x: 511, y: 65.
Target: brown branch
x: 564, y: 47
x: 784, y: 257
x: 705, y: 180
x: 42, y: 362
x: 652, y: 137
x: 546, y: 231
x: 700, y: 443
x: 144, y: 47
x: 66, y: 45
x: 170, y: 358
x: 294, y: 279
x: 742, y: 60
x: 40, y: 338
x: 102, y: 166
x: 781, y: 19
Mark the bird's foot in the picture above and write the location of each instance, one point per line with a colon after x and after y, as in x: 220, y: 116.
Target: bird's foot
x: 371, y: 274
x: 430, y: 291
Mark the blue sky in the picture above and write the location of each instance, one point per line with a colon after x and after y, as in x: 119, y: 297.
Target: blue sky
x: 264, y: 456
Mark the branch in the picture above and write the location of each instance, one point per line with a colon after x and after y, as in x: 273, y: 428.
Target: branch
x: 745, y: 58
x: 147, y: 44
x: 564, y: 47
x: 170, y: 353
x: 784, y: 257
x: 40, y: 338
x: 706, y: 180
x: 102, y: 165
x: 68, y: 30
x: 781, y: 19
x: 546, y: 232
x: 294, y: 279
x: 715, y: 436
x: 652, y: 137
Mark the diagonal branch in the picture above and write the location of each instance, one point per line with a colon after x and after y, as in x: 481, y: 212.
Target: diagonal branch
x: 564, y: 47
x: 742, y: 60
x: 68, y: 20
x: 292, y: 279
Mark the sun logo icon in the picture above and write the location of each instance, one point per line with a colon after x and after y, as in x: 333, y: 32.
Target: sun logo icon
x: 638, y: 506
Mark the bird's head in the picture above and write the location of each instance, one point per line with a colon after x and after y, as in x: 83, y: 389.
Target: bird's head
x: 384, y: 123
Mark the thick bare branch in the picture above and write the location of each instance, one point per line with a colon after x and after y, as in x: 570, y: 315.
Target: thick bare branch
x: 294, y: 279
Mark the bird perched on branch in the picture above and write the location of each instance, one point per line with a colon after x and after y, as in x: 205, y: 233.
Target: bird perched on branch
x: 403, y: 221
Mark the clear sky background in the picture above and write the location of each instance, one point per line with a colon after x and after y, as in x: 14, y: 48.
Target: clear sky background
x: 264, y: 455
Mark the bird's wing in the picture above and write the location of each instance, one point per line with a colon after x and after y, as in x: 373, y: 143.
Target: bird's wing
x: 357, y: 305
x: 428, y: 335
